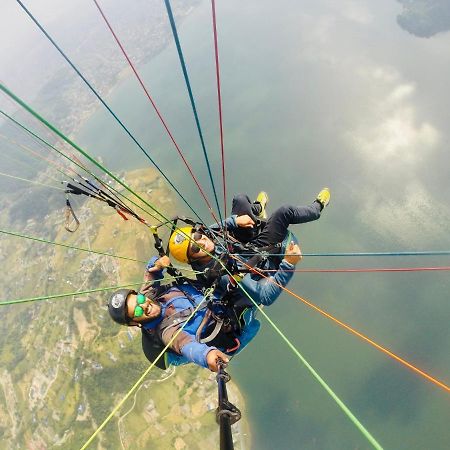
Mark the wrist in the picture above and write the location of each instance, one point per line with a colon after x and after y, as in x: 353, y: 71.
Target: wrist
x: 288, y: 262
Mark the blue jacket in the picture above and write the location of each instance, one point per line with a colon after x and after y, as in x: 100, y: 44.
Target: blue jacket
x: 191, y: 351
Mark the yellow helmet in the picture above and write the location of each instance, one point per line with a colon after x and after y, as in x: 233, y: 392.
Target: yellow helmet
x: 179, y: 244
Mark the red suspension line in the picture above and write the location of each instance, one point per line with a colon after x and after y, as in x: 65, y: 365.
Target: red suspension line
x: 395, y: 269
x: 353, y: 331
x: 157, y: 112
x: 219, y: 98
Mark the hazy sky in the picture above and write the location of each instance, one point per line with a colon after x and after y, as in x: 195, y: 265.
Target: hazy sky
x: 26, y: 58
x: 17, y: 30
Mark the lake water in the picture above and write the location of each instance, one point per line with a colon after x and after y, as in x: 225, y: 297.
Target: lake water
x: 321, y: 94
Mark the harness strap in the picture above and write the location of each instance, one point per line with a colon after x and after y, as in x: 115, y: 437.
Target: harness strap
x: 175, y: 319
x: 215, y: 331
x: 180, y: 316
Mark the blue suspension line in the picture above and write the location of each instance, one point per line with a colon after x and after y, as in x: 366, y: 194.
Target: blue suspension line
x: 191, y: 97
x: 106, y: 106
x: 443, y: 252
x: 424, y: 253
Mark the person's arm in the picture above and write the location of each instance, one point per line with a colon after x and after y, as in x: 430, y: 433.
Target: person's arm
x: 229, y: 223
x: 195, y: 352
x: 233, y: 222
x: 155, y: 268
x: 266, y: 290
x: 208, y: 355
x: 154, y: 272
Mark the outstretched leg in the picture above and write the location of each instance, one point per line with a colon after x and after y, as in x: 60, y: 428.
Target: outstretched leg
x: 277, y: 225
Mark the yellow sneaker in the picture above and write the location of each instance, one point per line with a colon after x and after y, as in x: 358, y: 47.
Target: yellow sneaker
x: 323, y: 197
x: 262, y: 198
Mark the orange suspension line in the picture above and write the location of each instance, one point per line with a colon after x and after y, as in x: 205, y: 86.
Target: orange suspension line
x: 353, y: 331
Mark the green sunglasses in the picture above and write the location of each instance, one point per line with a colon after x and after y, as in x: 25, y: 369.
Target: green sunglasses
x: 139, y: 310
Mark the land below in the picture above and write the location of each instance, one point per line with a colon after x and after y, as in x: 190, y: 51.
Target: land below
x: 65, y: 364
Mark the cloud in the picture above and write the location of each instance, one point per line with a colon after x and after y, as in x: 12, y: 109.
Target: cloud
x: 356, y: 12
x: 391, y: 133
x: 394, y: 144
x: 409, y: 216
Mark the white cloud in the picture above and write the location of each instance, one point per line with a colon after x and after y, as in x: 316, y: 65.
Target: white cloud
x: 391, y: 133
x: 356, y: 12
x: 406, y: 216
x: 394, y: 142
x: 400, y: 93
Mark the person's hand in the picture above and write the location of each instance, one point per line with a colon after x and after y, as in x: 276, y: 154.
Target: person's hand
x: 160, y: 263
x: 293, y: 254
x: 212, y: 359
x: 245, y: 221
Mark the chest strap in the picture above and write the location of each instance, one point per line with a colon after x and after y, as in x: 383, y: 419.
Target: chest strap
x: 214, y: 332
x: 175, y: 318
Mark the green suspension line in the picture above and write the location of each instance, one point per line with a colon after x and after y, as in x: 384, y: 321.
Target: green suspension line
x: 11, y: 233
x: 32, y: 238
x: 32, y: 182
x: 321, y: 381
x: 23, y: 163
x: 70, y: 159
x: 33, y: 153
x: 69, y: 294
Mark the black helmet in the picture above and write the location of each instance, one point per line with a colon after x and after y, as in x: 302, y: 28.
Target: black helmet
x: 117, y: 306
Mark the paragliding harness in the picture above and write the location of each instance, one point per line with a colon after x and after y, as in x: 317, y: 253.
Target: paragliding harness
x: 152, y: 342
x: 219, y: 328
x: 224, y: 319
x: 221, y: 323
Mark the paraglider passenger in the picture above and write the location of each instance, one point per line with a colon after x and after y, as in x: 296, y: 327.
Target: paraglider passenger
x: 248, y: 225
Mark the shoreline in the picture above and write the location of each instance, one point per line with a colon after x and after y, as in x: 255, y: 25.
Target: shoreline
x: 82, y: 109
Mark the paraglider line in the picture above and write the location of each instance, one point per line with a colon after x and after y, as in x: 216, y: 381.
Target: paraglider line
x: 156, y: 110
x: 106, y: 106
x: 191, y: 97
x: 353, y: 331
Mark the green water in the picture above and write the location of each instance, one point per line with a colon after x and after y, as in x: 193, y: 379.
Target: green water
x: 317, y: 95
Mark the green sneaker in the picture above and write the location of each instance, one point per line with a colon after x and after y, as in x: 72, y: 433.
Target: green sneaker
x: 262, y: 198
x: 323, y: 197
